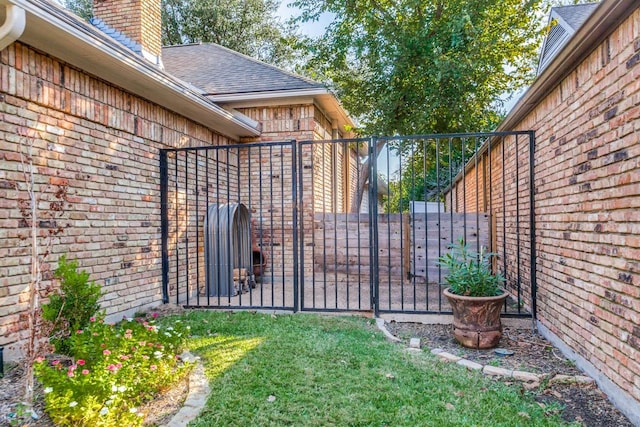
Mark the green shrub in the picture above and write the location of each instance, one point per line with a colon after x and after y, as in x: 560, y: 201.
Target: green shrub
x: 70, y: 308
x: 115, y: 369
x: 470, y: 272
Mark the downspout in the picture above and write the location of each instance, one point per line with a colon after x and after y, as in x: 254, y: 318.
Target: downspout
x: 13, y: 25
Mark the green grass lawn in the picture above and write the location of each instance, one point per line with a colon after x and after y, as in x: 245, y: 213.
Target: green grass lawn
x: 309, y: 370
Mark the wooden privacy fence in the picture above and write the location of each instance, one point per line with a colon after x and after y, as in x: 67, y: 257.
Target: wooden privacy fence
x: 408, y: 245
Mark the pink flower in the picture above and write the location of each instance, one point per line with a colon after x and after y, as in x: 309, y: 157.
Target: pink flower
x: 154, y: 315
x: 106, y: 352
x: 85, y: 372
x: 124, y: 357
x: 95, y: 334
x: 39, y: 359
x: 79, y: 331
x: 128, y: 336
x: 92, y: 319
x: 103, y: 345
x: 153, y: 367
x: 145, y: 357
x: 150, y: 344
x: 142, y: 343
x: 70, y: 374
x: 55, y: 362
x: 112, y: 368
x: 119, y: 365
x: 80, y: 362
x: 72, y: 368
x: 128, y: 331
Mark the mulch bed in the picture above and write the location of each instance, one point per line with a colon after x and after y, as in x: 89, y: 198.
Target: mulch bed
x: 532, y: 353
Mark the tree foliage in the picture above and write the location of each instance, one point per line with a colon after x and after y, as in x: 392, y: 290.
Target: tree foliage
x: 246, y: 26
x: 251, y: 27
x: 425, y: 66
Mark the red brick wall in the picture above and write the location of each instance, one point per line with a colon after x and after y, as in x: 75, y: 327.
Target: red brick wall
x: 103, y: 142
x: 587, y: 204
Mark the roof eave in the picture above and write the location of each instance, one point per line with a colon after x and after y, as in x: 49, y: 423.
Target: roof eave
x: 604, y: 19
x: 323, y: 97
x: 51, y: 34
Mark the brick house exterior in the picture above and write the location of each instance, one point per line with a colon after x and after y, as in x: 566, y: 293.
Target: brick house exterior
x: 98, y: 109
x: 585, y: 110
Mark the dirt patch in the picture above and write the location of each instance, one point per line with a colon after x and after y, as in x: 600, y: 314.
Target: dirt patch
x: 532, y: 353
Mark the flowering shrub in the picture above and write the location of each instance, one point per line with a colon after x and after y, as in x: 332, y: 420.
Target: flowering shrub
x: 115, y: 368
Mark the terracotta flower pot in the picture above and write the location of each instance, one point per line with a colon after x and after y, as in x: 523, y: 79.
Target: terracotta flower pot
x: 476, y: 320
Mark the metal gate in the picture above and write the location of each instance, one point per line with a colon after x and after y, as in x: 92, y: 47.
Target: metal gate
x: 348, y: 225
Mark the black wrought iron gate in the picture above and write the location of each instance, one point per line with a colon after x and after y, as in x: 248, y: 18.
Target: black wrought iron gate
x: 345, y: 225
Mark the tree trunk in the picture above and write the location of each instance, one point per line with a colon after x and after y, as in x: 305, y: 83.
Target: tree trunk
x: 363, y: 177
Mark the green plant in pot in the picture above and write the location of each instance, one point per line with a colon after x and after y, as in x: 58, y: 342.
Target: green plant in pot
x: 475, y: 294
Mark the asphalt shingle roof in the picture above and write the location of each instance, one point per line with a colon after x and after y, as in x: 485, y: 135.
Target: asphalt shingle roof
x: 221, y: 71
x: 575, y: 14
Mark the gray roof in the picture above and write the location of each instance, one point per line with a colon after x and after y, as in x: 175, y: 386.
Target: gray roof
x: 575, y: 14
x: 565, y: 22
x: 220, y: 71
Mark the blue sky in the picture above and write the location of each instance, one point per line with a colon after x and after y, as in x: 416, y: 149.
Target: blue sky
x: 312, y: 29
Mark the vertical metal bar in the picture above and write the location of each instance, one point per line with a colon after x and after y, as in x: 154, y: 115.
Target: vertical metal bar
x: 532, y: 225
x: 261, y: 233
x: 186, y: 222
x: 345, y: 196
x: 359, y: 219
x: 271, y: 233
x: 197, y: 211
x: 373, y: 226
x: 313, y: 225
x: 164, y: 223
x: 324, y: 224
x: 504, y: 212
x: 518, y: 280
x: 294, y: 189
x: 207, y: 257
x: 246, y: 282
x: 218, y: 282
x: 400, y: 209
x: 490, y: 188
x: 177, y: 230
x: 453, y: 188
x: 282, y: 219
x: 334, y: 198
x: 229, y: 256
x: 476, y: 164
x: 249, y: 162
x: 464, y: 190
x: 301, y: 212
x: 412, y: 222
x: 388, y: 217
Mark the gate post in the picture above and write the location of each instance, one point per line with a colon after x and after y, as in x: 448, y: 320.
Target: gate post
x: 294, y: 188
x: 373, y: 226
x: 532, y: 224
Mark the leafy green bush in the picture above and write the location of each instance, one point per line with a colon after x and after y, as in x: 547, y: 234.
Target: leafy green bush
x: 470, y: 272
x: 115, y: 369
x: 70, y: 308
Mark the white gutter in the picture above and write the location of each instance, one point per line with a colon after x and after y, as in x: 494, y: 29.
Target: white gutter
x: 13, y: 25
x: 237, y: 98
x: 62, y: 35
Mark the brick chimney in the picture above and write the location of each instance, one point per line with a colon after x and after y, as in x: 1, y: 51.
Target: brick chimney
x: 139, y: 20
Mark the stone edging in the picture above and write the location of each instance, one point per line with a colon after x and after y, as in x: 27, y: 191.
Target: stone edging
x: 198, y: 393
x: 531, y: 380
